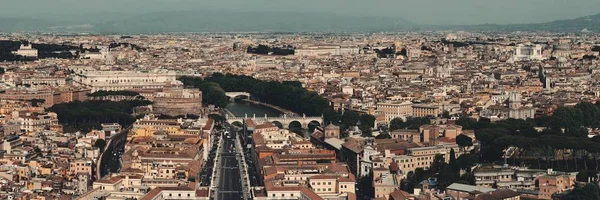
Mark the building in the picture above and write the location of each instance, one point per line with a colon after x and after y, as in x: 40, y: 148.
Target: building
x: 525, y: 52
x: 326, y: 50
x: 425, y: 110
x: 178, y: 101
x: 27, y: 50
x: 125, y: 80
x: 393, y: 110
x: 555, y: 182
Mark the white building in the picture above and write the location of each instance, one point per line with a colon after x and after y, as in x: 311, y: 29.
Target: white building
x: 27, y: 51
x: 327, y: 50
x: 528, y: 52
x: 125, y: 80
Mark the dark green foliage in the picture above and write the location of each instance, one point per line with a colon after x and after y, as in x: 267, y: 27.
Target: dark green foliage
x: 103, y: 93
x: 265, y: 50
x: 44, y: 51
x: 411, y: 123
x: 383, y: 136
x: 589, y: 191
x: 467, y: 123
x: 213, y: 94
x: 100, y: 143
x: 1, y: 71
x: 464, y: 141
x: 396, y: 123
x: 330, y: 116
x: 36, y: 102
x: 385, y: 53
x: 288, y: 95
x: 87, y: 115
x: 217, y: 117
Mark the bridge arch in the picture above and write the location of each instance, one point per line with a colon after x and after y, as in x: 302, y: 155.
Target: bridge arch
x: 233, y: 95
x: 278, y: 124
x: 295, y: 124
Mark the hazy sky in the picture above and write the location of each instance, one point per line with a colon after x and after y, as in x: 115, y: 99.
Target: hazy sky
x: 418, y: 11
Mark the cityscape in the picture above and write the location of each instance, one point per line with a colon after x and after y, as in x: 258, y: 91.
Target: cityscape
x: 337, y: 112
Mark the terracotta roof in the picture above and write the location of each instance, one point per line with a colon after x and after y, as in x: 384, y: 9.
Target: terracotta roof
x: 153, y: 193
x: 399, y: 195
x: 497, y: 195
x: 310, y: 194
x: 202, y: 192
x: 266, y: 125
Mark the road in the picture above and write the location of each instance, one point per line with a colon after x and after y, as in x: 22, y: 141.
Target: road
x: 230, y: 181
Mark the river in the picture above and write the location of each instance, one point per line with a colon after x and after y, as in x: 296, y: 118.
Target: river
x: 241, y: 108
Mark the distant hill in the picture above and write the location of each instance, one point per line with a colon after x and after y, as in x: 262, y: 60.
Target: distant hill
x: 590, y: 23
x: 215, y: 21
x: 228, y: 21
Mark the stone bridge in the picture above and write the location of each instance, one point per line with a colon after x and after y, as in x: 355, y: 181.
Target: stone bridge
x: 233, y: 95
x: 285, y: 121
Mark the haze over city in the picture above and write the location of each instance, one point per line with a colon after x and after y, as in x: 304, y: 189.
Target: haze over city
x: 299, y: 99
x: 433, y: 12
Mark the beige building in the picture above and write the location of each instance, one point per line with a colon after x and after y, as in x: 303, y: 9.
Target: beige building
x: 424, y: 110
x: 393, y: 110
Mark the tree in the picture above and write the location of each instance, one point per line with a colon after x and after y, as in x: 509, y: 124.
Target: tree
x: 349, y: 118
x: 467, y: 123
x: 1, y: 70
x: 452, y: 161
x: 100, y: 143
x: 416, y: 122
x: 464, y: 141
x: 212, y: 93
x: 36, y: 102
x: 383, y: 136
x: 217, y: 117
x: 438, y: 163
x: 396, y: 123
x: 589, y: 191
x: 446, y: 114
x: 330, y: 116
x: 367, y: 120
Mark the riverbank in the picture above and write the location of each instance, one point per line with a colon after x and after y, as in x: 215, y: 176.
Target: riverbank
x: 240, y: 108
x: 282, y: 110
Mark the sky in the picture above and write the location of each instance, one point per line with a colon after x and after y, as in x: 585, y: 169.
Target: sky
x: 433, y: 12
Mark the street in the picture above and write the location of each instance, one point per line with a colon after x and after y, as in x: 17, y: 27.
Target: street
x: 230, y: 185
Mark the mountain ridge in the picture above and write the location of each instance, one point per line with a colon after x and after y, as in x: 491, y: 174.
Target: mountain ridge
x: 225, y: 21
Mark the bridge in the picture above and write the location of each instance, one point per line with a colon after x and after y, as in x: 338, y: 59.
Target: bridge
x: 282, y: 120
x: 233, y: 95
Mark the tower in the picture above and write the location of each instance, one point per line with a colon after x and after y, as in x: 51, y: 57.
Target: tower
x: 514, y: 100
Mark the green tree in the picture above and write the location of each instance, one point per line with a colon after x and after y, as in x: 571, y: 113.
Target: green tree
x: 452, y: 161
x: 396, y: 123
x: 589, y: 191
x: 349, y: 118
x: 100, y: 143
x: 383, y: 136
x: 330, y: 116
x: 217, y: 117
x: 446, y: 114
x: 36, y: 102
x: 464, y: 141
x: 467, y: 123
x: 416, y: 122
x: 213, y: 94
x: 367, y: 120
x: 438, y: 163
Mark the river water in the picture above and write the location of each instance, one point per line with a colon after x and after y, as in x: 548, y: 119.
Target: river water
x: 241, y: 108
